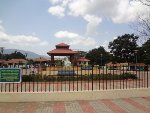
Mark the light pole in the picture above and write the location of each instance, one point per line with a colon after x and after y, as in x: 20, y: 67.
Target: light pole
x: 135, y: 51
x: 1, y: 51
x: 101, y: 58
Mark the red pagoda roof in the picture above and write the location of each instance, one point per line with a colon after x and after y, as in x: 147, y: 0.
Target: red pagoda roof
x: 62, y: 49
x: 62, y: 45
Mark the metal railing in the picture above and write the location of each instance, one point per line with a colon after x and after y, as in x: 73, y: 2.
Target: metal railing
x: 54, y: 79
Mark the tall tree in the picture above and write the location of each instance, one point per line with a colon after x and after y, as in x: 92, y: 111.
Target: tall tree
x: 15, y: 55
x: 142, y: 25
x: 123, y: 48
x: 98, y: 56
x: 146, y: 49
x: 145, y: 2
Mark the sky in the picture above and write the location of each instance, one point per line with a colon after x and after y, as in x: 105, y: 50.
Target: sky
x: 38, y: 25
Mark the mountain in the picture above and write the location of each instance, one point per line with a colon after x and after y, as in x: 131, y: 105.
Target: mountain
x: 30, y: 54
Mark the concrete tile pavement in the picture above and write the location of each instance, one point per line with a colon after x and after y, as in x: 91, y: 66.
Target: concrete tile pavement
x: 125, y: 105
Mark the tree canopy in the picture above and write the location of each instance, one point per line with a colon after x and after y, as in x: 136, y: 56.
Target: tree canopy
x: 123, y: 48
x: 142, y: 25
x: 98, y: 56
x: 146, y: 50
x: 15, y: 55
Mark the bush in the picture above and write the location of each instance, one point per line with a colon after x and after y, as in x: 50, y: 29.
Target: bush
x: 27, y: 78
x: 40, y: 78
x: 128, y: 76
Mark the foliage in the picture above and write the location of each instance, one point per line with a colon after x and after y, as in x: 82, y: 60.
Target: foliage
x: 145, y: 2
x: 98, y: 56
x: 82, y: 53
x: 31, y: 78
x: 50, y: 78
x: 123, y: 48
x: 146, y: 49
x: 15, y: 55
x: 142, y: 25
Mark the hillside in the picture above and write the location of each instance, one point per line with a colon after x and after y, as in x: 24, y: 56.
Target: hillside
x: 29, y: 53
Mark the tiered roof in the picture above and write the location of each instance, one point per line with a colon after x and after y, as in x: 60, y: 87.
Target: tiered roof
x: 62, y: 49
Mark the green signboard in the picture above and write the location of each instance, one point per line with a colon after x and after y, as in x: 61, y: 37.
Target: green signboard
x: 10, y: 75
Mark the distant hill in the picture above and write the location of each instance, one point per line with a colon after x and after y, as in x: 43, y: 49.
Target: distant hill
x: 30, y: 54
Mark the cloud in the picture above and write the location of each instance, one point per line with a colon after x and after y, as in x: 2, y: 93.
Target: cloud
x: 75, y: 39
x: 78, y: 7
x: 25, y: 42
x: 55, y: 1
x: 115, y: 38
x: 93, y: 22
x: 119, y: 11
x: 20, y: 39
x: 57, y: 11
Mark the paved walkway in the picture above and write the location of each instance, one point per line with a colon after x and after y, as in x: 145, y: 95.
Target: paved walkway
x: 126, y: 105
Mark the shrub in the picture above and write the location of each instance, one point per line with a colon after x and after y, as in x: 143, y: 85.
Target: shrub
x: 40, y: 78
x: 128, y: 76
x: 27, y: 78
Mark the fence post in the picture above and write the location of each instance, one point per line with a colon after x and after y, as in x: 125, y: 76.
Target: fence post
x: 92, y: 77
x: 147, y: 75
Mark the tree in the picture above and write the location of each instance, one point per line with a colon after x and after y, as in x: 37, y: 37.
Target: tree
x: 98, y: 56
x: 145, y: 2
x: 1, y: 52
x: 142, y: 25
x: 123, y: 48
x: 143, y: 28
x: 15, y: 55
x: 82, y: 53
x: 146, y: 49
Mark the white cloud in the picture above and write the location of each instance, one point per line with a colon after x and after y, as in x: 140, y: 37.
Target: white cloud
x: 78, y: 7
x: 24, y: 42
x: 75, y: 39
x: 114, y: 38
x: 55, y: 1
x: 63, y: 34
x: 93, y: 22
x: 119, y: 11
x: 20, y: 39
x: 57, y: 11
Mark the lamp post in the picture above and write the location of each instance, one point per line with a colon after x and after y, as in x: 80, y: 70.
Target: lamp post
x: 112, y: 57
x: 101, y: 58
x: 135, y: 51
x: 26, y: 63
x: 1, y: 51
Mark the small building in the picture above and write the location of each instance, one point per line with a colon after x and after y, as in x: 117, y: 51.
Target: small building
x: 122, y: 66
x: 2, y: 62
x: 137, y: 66
x: 16, y: 62
x: 83, y: 61
x: 62, y: 49
x: 41, y: 61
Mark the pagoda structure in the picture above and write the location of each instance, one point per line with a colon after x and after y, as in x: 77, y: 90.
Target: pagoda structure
x: 62, y: 49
